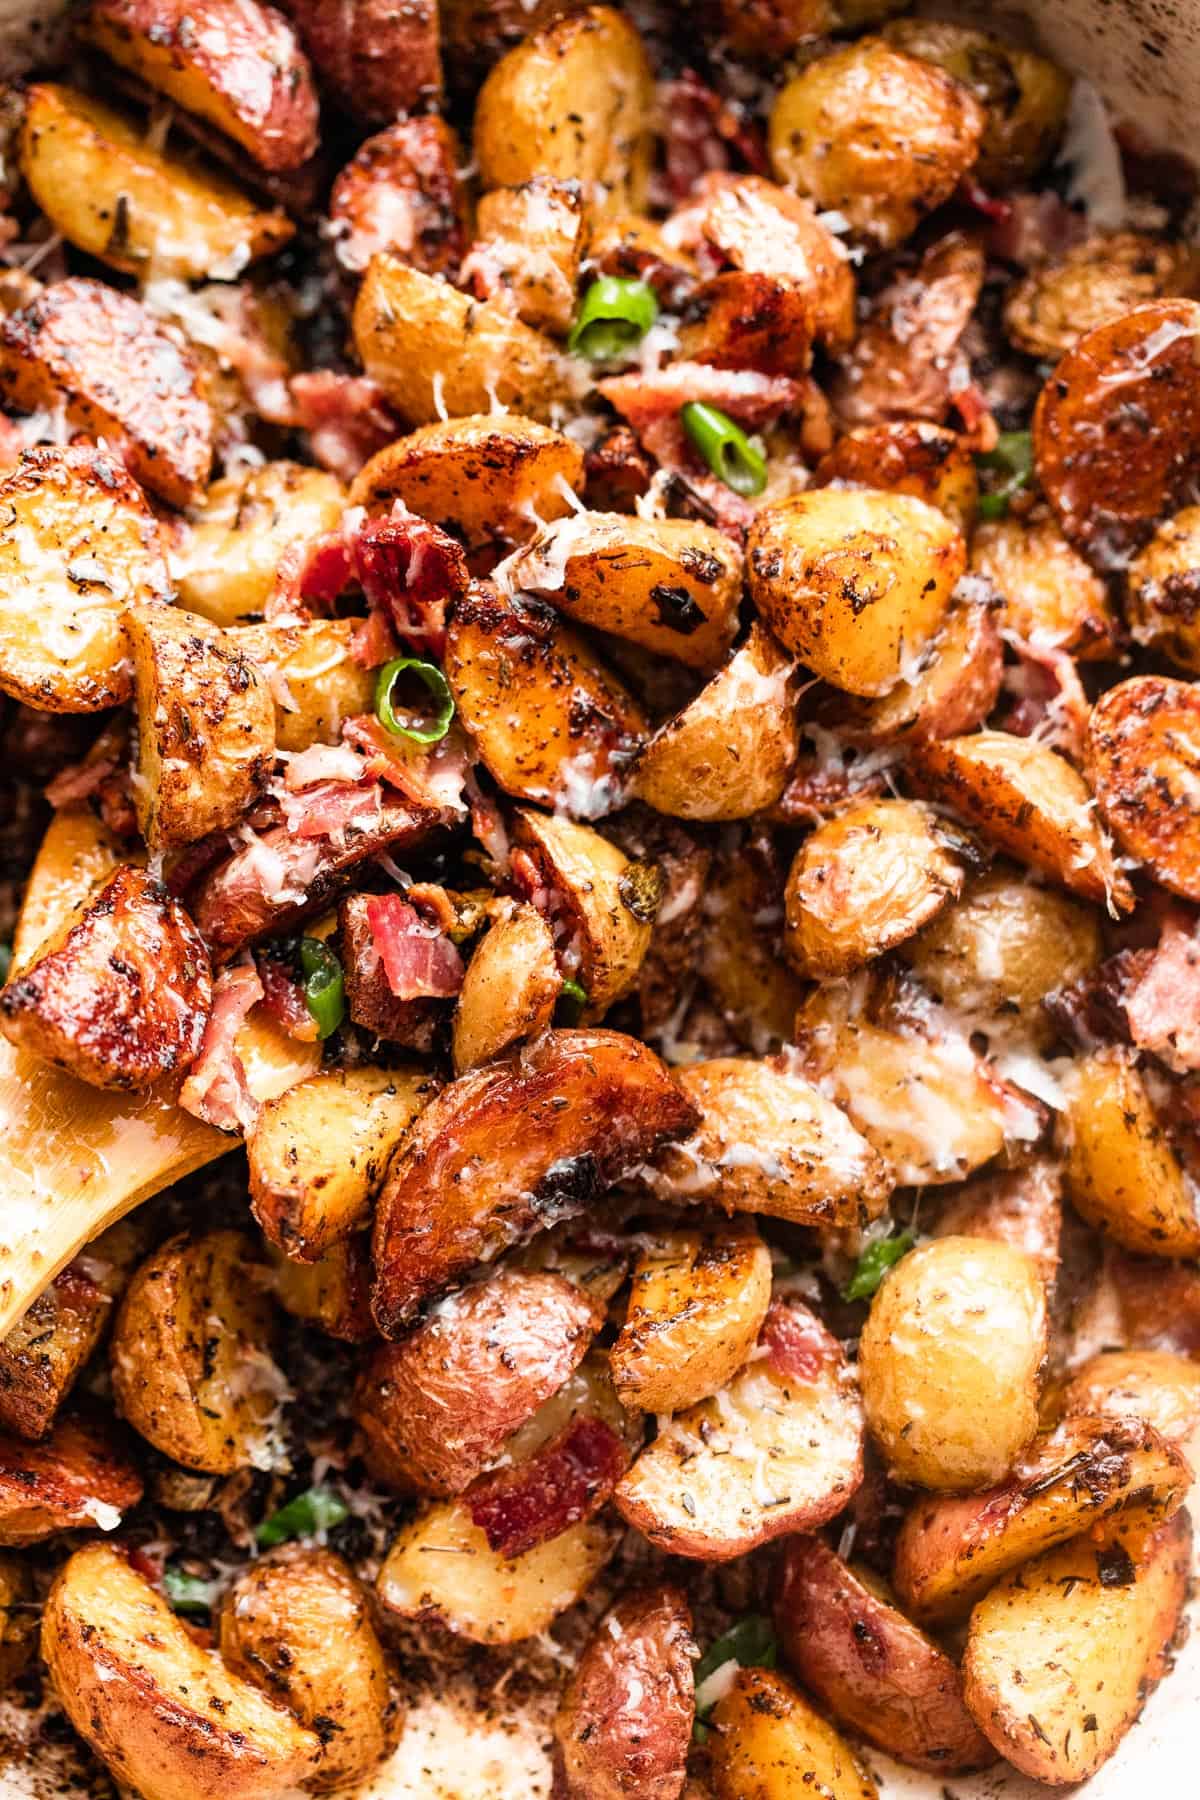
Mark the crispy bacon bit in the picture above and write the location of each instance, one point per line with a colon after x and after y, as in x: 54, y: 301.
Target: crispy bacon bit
x: 429, y: 774
x: 346, y: 417
x: 418, y: 959
x: 1050, y: 702
x: 1038, y: 227
x: 567, y: 1481
x: 310, y: 575
x: 410, y: 570
x: 332, y: 808
x: 1162, y: 1002
x: 216, y: 1089
x: 990, y: 205
x: 284, y: 999
x: 373, y: 642
x: 704, y: 132
x: 796, y: 1343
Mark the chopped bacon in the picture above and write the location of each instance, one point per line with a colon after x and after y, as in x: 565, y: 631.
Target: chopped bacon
x: 1162, y: 1002
x: 216, y: 1089
x: 796, y: 1342
x: 704, y: 132
x: 283, y: 998
x: 332, y: 808
x: 487, y: 823
x: 411, y: 570
x: 1051, y: 704
x: 430, y: 774
x: 79, y: 781
x: 990, y: 205
x: 1038, y: 228
x: 347, y: 419
x: 567, y: 1481
x: 418, y: 959
x: 373, y: 642
x: 309, y: 575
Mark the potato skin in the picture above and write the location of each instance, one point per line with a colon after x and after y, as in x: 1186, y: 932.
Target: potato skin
x: 907, y: 456
x: 1121, y: 1172
x: 1160, y: 590
x: 949, y: 1360
x: 1050, y: 595
x: 225, y: 561
x: 1093, y: 283
x: 624, y: 1724
x: 1143, y: 751
x: 873, y: 1669
x: 379, y: 59
x: 18, y: 1620
x: 768, y: 1743
x: 1158, y: 1386
x: 510, y: 988
x: 79, y: 1476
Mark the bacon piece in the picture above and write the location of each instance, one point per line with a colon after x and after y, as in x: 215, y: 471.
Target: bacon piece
x: 561, y: 1485
x: 333, y: 809
x: 796, y: 1342
x: 411, y: 570
x: 216, y: 1089
x: 1039, y: 228
x: 1051, y: 704
x: 428, y: 774
x: 309, y: 575
x: 369, y: 999
x: 703, y: 133
x: 418, y: 959
x: 373, y: 642
x: 1162, y: 1001
x: 284, y: 999
x: 347, y: 419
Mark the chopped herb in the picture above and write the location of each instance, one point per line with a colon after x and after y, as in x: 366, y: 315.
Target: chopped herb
x: 324, y: 985
x: 874, y: 1264
x: 732, y: 456
x: 572, y: 998
x: 316, y: 1510
x: 750, y: 1644
x: 430, y: 730
x: 5, y: 961
x: 1013, y: 459
x: 614, y: 316
x: 188, y: 1593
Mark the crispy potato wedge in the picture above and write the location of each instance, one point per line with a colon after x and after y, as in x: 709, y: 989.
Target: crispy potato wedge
x: 101, y: 355
x: 510, y: 988
x: 696, y: 1306
x: 1143, y: 753
x: 78, y: 544
x: 778, y: 1449
x: 190, y: 1353
x: 874, y: 1670
x: 624, y: 1723
x: 1093, y: 283
x: 18, y: 1620
x: 168, y: 1718
x: 1159, y: 1387
x: 225, y: 560
x: 314, y: 680
x: 142, y: 211
x: 1029, y: 802
x: 854, y: 583
x: 1104, y: 1478
x: 238, y: 66
x: 767, y: 1744
x: 953, y: 690
x: 318, y: 1153
x: 1063, y: 1653
x: 297, y: 1624
x: 333, y: 1293
x: 505, y: 1151
x: 1120, y: 1170
x: 907, y: 456
x: 1160, y: 590
x: 774, y: 27
x: 402, y: 191
x: 378, y: 59
x: 78, y: 1476
x: 1021, y: 1207
x: 1051, y: 597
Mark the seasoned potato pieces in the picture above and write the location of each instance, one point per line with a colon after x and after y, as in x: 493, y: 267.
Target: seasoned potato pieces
x: 767, y: 1743
x: 298, y: 1625
x: 1121, y: 1172
x: 854, y: 583
x: 953, y: 690
x: 696, y: 1305
x: 873, y: 1669
x: 624, y: 1723
x: 78, y: 544
x: 528, y: 247
x: 168, y: 1718
x: 1050, y: 596
x: 1093, y: 283
x: 190, y: 1354
x: 510, y: 988
x: 333, y: 1293
x: 237, y: 65
x: 1063, y: 1653
x: 402, y: 191
x: 1161, y: 589
x: 225, y: 562
x: 79, y: 1476
x: 949, y: 1360
x: 318, y: 1153
x: 1143, y: 754
x: 574, y: 102
x: 314, y: 680
x: 907, y: 456
x: 1030, y: 803
x: 18, y: 1620
x: 206, y: 727
x: 110, y: 193
x: 1157, y: 1386
x: 82, y: 345
x: 378, y: 58
x: 875, y: 135
x: 778, y: 1449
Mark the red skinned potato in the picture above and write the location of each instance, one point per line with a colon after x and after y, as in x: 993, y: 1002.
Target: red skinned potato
x: 1143, y: 755
x: 76, y: 1478
x: 377, y: 58
x: 624, y: 1725
x: 402, y: 192
x: 504, y: 1152
x: 873, y: 1669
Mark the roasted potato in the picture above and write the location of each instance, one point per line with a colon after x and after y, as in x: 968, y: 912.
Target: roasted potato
x: 624, y: 1723
x: 1161, y: 589
x: 1159, y: 1387
x: 767, y: 1743
x: 954, y: 688
x: 379, y: 59
x: 1021, y: 1207
x: 1121, y: 1172
x: 875, y: 135
x: 1092, y: 284
x: 510, y: 988
x: 736, y: 320
x: 314, y: 680
x: 778, y: 1449
x: 112, y: 194
x: 529, y: 244
x: 318, y: 1153
x: 773, y: 27
x: 755, y: 991
x: 1143, y: 751
x: 696, y: 1306
x: 876, y: 1672
x: 402, y: 191
x: 168, y: 1718
x: 949, y: 1360
x: 1062, y: 1653
x: 78, y: 544
x: 225, y: 559
x: 333, y: 1293
x: 190, y: 1354
x: 238, y: 66
x: 75, y: 858
x: 854, y: 583
x: 18, y: 1620
x: 118, y: 375
x: 907, y: 456
x: 78, y: 1476
x: 297, y: 1624
x: 1049, y: 595
x: 573, y: 102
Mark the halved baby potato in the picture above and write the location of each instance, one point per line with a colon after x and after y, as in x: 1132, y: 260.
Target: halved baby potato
x: 226, y: 557
x: 907, y: 456
x: 1161, y: 590
x: 768, y: 1743
x: 79, y: 1477
x: 314, y: 680
x: 529, y: 243
x: 18, y: 1620
x: 402, y: 189
x: 333, y: 1293
x: 953, y: 689
x: 1121, y: 1172
x: 1050, y: 596
x: 510, y: 988
x: 1143, y: 760
x: 1159, y: 1387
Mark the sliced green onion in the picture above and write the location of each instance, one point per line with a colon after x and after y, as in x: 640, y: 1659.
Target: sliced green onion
x: 572, y: 998
x: 874, y: 1264
x: 316, y: 1510
x: 5, y: 961
x: 1013, y: 458
x: 439, y: 689
x: 324, y: 985
x: 750, y: 1644
x: 614, y: 316
x: 729, y: 453
x: 188, y: 1593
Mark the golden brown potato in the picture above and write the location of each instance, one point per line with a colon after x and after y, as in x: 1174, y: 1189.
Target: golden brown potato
x: 190, y: 1354
x: 1143, y: 752
x: 333, y: 1293
x: 1093, y: 283
x: 498, y: 1157
x: 767, y: 1743
x: 1050, y: 596
x: 490, y: 477
x: 18, y: 1620
x: 1157, y: 1386
x: 773, y: 27
x: 235, y: 63
x: 1063, y: 1653
x: 436, y: 353
x: 318, y: 1153
x: 778, y: 1449
x: 874, y: 1670
x: 1024, y: 96
x: 112, y: 194
x: 402, y: 191
x: 120, y: 995
x: 529, y: 243
x: 314, y: 680
x: 952, y: 691
x: 78, y: 1477
x: 100, y: 355
x: 574, y: 102
x: 696, y: 1306
x: 854, y: 583
x: 548, y: 720
x: 168, y: 1718
x: 875, y: 135
x: 78, y: 544
x: 206, y: 727
x: 75, y: 858
x: 510, y: 988
x: 297, y: 1624
x: 728, y: 753
x: 1107, y: 1479
x: 738, y: 320
x: 1162, y: 589
x: 1029, y: 802
x: 1120, y: 1170
x: 907, y: 456
x: 949, y: 1360
x: 1021, y: 1207
x: 624, y: 1723
x: 379, y: 59
x: 756, y: 993
x: 769, y: 1141
x: 225, y: 560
